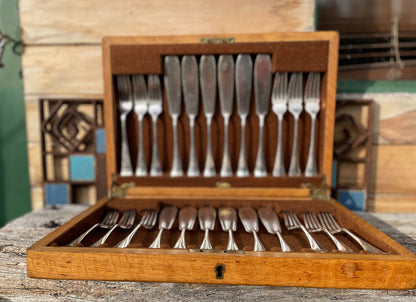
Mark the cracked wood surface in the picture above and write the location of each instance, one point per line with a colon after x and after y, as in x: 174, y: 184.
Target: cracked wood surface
x: 21, y: 233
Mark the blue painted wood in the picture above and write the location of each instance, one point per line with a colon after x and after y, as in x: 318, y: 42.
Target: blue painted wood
x: 82, y: 167
x: 100, y: 145
x: 352, y: 199
x: 56, y: 193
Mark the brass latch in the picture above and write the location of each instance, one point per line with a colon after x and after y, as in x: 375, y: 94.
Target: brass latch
x: 217, y: 40
x: 119, y: 190
x: 321, y: 193
x: 222, y: 184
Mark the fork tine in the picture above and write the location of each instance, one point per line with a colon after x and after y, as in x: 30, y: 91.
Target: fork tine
x: 139, y: 87
x: 307, y: 221
x: 309, y: 86
x: 283, y: 91
x: 316, y: 86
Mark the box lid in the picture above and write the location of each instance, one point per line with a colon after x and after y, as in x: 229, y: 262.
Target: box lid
x: 289, y: 52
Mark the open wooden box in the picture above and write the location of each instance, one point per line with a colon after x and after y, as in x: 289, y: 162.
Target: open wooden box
x: 291, y: 52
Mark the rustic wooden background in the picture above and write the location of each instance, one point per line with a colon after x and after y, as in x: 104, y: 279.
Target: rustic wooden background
x: 62, y: 58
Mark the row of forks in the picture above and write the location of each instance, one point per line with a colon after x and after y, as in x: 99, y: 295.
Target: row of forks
x: 147, y: 99
x: 228, y: 220
x: 286, y: 96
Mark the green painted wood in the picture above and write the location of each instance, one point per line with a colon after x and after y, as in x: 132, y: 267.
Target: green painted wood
x: 354, y: 86
x: 14, y: 176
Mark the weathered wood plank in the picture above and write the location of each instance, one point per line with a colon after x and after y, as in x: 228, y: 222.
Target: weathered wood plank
x: 392, y: 170
x: 392, y: 203
x: 63, y: 70
x: 394, y: 116
x: 62, y: 22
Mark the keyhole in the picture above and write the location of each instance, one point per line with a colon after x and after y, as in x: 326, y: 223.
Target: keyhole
x: 219, y: 271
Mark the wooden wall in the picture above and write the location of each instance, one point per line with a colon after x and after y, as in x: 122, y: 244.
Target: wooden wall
x: 63, y: 43
x: 63, y: 58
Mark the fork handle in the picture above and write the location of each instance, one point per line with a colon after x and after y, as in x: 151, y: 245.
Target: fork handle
x: 181, y: 244
x: 206, y: 244
x: 340, y: 246
x: 279, y: 165
x: 231, y: 246
x: 156, y: 243
x: 209, y: 169
x: 364, y: 244
x: 105, y: 237
x: 126, y: 241
x: 126, y: 167
x: 177, y: 169
x: 258, y: 246
x: 311, y: 169
x: 82, y: 236
x: 155, y: 167
x: 315, y: 245
x: 294, y: 167
x: 141, y: 169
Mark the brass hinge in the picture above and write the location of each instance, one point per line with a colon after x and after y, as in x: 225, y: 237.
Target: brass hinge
x: 321, y: 193
x: 117, y: 190
x: 222, y: 184
x: 217, y: 40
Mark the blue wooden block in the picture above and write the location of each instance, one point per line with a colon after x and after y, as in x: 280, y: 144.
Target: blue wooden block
x: 56, y: 194
x: 334, y: 174
x: 82, y: 167
x: 352, y: 199
x: 100, y: 145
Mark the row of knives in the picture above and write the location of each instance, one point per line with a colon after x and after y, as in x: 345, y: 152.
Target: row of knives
x: 186, y: 81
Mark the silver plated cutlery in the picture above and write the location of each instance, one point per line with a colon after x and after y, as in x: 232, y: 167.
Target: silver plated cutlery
x: 155, y: 109
x: 208, y: 82
x: 126, y: 222
x: 147, y: 221
x: 295, y: 108
x: 228, y: 220
x: 248, y: 217
x: 312, y: 106
x: 262, y: 85
x: 172, y: 80
x: 167, y: 217
x: 279, y: 107
x: 187, y: 217
x: 271, y: 222
x: 243, y: 80
x: 226, y: 93
x: 207, y: 216
x: 190, y: 84
x: 140, y: 108
x: 125, y: 105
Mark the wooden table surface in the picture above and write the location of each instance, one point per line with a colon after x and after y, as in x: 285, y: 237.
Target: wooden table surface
x: 21, y: 233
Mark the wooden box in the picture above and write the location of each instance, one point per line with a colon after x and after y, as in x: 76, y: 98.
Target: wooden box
x: 290, y: 52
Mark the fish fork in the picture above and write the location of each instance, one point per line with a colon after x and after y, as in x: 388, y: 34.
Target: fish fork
x: 295, y: 108
x: 147, y: 221
x: 312, y: 107
x: 228, y: 220
x: 166, y: 219
x: 126, y: 222
x: 279, y: 107
x: 155, y: 109
x: 207, y: 216
x: 125, y: 105
x: 140, y: 107
x: 292, y: 222
x: 108, y: 222
x: 330, y: 222
x: 187, y: 218
x: 313, y: 225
